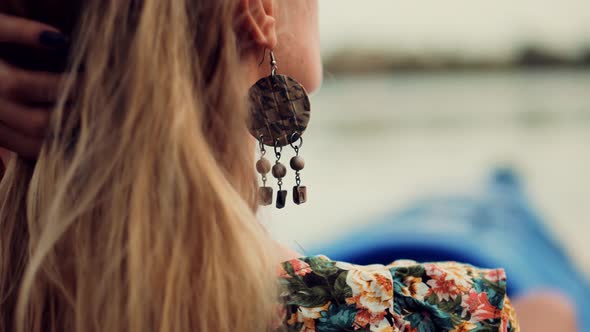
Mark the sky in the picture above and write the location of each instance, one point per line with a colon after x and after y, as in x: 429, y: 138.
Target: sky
x: 471, y: 27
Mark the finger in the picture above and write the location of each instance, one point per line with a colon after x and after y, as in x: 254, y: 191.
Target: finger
x: 24, y: 146
x: 27, y: 120
x: 29, y: 86
x: 17, y: 30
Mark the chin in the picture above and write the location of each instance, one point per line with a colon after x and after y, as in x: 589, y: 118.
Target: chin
x: 305, y: 67
x: 313, y: 82
x: 311, y: 74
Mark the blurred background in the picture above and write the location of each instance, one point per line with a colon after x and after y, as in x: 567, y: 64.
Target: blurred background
x: 428, y: 97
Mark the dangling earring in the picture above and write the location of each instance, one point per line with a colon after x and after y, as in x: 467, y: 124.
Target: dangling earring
x: 279, y: 114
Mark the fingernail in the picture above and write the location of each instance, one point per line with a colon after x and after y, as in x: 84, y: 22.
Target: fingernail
x: 54, y: 39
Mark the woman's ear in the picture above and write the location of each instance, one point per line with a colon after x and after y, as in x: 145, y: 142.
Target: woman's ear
x: 257, y: 22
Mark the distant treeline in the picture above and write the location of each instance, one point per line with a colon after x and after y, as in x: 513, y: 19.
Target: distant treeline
x: 535, y: 57
x: 365, y: 61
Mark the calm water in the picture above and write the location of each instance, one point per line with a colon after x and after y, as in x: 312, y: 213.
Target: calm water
x: 377, y: 143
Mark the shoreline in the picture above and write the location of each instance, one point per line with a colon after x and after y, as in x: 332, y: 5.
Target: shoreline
x: 365, y: 62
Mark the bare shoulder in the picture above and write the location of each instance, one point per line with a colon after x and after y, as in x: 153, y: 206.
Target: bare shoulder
x: 284, y: 253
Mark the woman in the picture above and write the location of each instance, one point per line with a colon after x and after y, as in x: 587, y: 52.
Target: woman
x: 138, y: 214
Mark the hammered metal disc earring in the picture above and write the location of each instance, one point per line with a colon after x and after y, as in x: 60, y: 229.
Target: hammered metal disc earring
x: 279, y: 115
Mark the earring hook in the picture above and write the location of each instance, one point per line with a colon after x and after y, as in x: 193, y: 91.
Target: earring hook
x: 273, y: 61
x: 273, y: 64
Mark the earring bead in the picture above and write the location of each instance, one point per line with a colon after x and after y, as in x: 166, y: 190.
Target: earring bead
x: 281, y: 199
x: 263, y: 166
x: 265, y: 196
x: 279, y: 170
x: 297, y: 163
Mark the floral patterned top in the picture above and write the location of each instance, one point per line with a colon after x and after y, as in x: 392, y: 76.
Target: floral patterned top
x: 321, y: 295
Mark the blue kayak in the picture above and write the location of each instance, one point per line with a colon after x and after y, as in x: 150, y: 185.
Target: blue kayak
x: 496, y: 228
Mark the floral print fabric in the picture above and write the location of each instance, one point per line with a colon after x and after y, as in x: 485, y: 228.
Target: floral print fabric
x: 321, y: 295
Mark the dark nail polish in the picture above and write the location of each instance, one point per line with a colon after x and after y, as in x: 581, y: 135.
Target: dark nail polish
x: 54, y: 40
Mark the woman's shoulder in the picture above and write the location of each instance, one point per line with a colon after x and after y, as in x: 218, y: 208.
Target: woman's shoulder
x: 325, y: 295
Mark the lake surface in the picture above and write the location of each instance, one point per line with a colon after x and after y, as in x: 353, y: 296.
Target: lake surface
x: 376, y: 143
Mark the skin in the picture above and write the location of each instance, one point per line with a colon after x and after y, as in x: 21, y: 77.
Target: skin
x: 22, y: 126
x: 546, y: 311
x: 290, y: 29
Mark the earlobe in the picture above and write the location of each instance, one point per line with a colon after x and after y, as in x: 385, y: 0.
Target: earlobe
x: 257, y: 19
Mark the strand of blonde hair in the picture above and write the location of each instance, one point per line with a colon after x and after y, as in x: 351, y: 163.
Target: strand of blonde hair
x: 138, y: 215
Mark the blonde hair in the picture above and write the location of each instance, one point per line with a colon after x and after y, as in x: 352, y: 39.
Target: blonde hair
x: 139, y: 213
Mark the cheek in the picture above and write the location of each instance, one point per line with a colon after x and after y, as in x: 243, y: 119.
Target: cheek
x: 303, y: 63
x: 299, y: 48
x: 313, y: 70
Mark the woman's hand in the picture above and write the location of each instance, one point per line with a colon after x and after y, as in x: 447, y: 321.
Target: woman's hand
x: 26, y: 97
